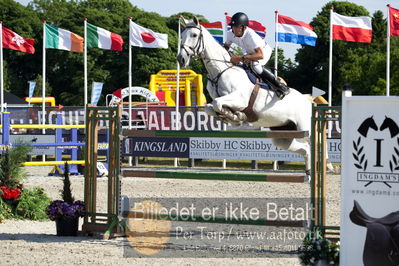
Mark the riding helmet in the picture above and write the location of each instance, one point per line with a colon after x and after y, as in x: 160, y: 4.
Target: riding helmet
x: 239, y: 19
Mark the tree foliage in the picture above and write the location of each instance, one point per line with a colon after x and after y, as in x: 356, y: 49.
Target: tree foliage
x: 361, y: 65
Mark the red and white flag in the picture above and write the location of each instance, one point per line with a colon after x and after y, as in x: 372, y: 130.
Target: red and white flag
x: 351, y: 29
x: 142, y: 37
x: 253, y: 24
x: 13, y: 41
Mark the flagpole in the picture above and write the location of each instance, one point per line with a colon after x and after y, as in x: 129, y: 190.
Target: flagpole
x: 330, y: 60
x: 225, y: 27
x: 44, y: 76
x: 276, y: 44
x: 1, y: 70
x: 85, y: 63
x: 388, y: 52
x: 130, y: 77
x: 177, y: 80
x: 178, y: 70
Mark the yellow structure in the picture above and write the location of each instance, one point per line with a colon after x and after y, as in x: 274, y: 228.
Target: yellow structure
x: 163, y: 85
x: 49, y: 100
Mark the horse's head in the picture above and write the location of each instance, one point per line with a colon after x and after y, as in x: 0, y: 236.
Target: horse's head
x: 192, y: 42
x: 366, y: 125
x: 391, y: 125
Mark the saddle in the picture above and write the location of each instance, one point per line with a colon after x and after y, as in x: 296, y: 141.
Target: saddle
x: 254, y: 77
x: 382, y: 238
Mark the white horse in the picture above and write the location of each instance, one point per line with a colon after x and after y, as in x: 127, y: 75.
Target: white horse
x: 231, y: 90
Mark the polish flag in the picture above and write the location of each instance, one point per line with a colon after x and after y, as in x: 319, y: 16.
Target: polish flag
x: 142, y: 37
x: 351, y: 29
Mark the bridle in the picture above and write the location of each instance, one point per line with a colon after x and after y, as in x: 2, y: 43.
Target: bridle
x: 196, y: 53
x: 200, y: 42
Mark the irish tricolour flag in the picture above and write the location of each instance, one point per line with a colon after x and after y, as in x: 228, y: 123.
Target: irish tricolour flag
x: 57, y: 38
x: 103, y: 39
x: 215, y: 29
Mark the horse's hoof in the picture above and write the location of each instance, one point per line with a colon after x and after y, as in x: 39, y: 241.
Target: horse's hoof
x: 308, y: 179
x: 241, y: 116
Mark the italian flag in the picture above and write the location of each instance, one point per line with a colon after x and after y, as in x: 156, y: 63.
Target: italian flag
x: 57, y: 38
x: 103, y: 39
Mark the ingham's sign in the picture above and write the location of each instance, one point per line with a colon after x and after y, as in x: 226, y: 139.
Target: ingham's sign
x: 370, y: 181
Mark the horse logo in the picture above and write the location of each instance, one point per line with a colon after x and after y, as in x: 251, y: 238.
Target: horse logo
x: 361, y: 160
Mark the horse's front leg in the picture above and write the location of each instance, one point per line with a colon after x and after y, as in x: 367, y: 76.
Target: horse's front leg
x: 228, y: 106
x: 226, y: 115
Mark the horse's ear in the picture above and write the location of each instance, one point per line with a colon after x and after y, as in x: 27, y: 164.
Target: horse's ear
x: 196, y: 21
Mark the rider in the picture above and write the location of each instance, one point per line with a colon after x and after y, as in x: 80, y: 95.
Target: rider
x: 258, y: 52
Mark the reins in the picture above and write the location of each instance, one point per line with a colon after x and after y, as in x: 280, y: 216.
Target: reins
x: 214, y: 81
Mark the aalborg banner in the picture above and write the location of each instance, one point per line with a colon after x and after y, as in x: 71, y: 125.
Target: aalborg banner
x: 370, y: 181
x: 187, y: 119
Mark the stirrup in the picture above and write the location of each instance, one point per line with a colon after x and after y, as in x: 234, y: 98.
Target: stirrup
x: 281, y: 93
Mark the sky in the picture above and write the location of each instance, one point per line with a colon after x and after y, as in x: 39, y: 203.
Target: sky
x: 259, y: 10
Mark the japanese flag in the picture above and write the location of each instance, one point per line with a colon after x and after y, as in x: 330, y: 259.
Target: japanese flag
x: 142, y: 37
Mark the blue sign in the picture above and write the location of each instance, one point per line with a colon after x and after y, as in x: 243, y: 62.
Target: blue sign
x: 157, y: 147
x: 32, y: 85
x: 96, y: 92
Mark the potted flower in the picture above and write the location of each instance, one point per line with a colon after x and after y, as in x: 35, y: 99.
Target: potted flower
x: 66, y: 212
x: 319, y: 251
x: 11, y: 195
x: 12, y: 172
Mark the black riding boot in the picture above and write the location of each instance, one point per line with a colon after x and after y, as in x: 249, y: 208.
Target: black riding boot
x: 280, y: 88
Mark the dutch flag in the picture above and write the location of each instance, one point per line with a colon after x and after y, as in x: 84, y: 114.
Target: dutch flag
x: 290, y: 30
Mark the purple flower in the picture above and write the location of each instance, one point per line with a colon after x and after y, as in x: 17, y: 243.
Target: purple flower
x: 58, y: 209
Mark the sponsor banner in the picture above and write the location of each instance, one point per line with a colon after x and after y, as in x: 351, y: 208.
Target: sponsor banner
x: 218, y: 148
x: 157, y: 147
x: 151, y: 118
x: 28, y: 139
x: 165, y: 118
x: 250, y: 149
x: 370, y: 180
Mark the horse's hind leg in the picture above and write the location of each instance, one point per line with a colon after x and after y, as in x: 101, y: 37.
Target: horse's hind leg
x: 297, y: 146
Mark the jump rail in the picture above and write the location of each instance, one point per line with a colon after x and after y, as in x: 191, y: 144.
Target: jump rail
x: 94, y: 222
x: 176, y: 174
x: 283, y: 134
